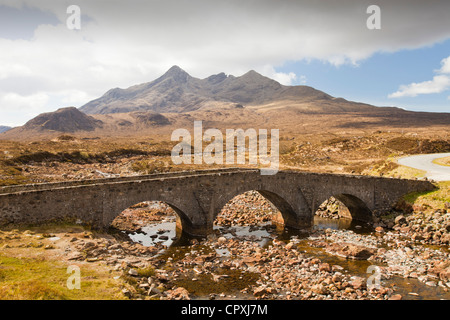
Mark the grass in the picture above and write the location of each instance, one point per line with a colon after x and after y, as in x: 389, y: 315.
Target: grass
x: 435, y: 199
x: 442, y: 161
x: 12, y: 175
x: 48, y: 160
x: 40, y: 279
x: 146, y: 272
x: 29, y: 271
x: 390, y: 168
x: 406, y: 172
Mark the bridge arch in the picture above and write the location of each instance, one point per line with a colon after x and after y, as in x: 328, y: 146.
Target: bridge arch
x: 183, y: 221
x: 357, y: 208
x: 287, y: 215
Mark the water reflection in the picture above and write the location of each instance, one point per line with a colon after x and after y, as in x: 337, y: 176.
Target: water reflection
x: 165, y: 232
x: 356, y: 226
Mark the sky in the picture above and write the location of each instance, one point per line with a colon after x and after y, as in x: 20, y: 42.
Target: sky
x: 53, y: 56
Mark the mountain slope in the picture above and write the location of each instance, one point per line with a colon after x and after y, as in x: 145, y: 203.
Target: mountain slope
x: 68, y: 119
x: 4, y: 128
x: 176, y: 100
x: 177, y: 91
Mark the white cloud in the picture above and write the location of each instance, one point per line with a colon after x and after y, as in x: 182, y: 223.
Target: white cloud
x: 440, y: 83
x: 74, y: 97
x: 14, y: 70
x: 281, y: 77
x: 445, y: 65
x: 14, y: 101
x: 14, y: 106
x: 129, y: 42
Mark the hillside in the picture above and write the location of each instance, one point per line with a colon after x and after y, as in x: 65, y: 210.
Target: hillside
x: 176, y: 91
x: 63, y: 120
x: 4, y: 128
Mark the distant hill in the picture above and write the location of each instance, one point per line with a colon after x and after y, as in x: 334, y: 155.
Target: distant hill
x: 4, y: 128
x: 176, y: 100
x: 68, y: 119
x: 176, y: 91
x: 63, y: 120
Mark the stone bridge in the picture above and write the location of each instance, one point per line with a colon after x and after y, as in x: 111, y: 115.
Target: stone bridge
x: 198, y: 196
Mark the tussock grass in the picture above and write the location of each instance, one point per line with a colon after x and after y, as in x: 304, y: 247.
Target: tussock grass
x: 29, y: 271
x: 40, y: 279
x: 436, y: 199
x: 442, y: 161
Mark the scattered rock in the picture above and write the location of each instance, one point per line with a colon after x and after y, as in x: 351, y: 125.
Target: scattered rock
x: 350, y: 251
x: 179, y: 293
x: 400, y: 220
x: 133, y: 272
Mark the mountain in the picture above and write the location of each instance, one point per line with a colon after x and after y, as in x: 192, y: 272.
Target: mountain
x: 176, y: 100
x: 68, y: 119
x: 176, y: 91
x: 4, y: 128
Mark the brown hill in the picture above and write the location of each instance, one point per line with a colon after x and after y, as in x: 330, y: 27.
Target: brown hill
x: 68, y: 119
x: 63, y: 120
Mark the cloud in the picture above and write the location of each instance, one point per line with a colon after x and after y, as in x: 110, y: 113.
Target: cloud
x: 440, y: 83
x: 14, y: 106
x: 281, y: 77
x: 15, y: 101
x: 445, y: 66
x: 122, y: 43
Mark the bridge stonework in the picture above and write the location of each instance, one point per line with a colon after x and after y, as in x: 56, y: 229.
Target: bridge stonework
x: 198, y: 197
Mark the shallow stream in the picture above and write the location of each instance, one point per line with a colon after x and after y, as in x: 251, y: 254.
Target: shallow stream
x: 164, y: 233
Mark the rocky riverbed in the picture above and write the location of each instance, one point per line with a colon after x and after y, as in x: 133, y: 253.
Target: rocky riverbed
x: 248, y: 257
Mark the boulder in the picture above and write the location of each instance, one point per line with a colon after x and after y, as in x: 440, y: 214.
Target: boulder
x: 358, y: 283
x: 400, y: 219
x: 179, y: 293
x: 350, y: 251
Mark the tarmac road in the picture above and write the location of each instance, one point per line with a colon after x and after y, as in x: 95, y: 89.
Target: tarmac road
x: 425, y: 162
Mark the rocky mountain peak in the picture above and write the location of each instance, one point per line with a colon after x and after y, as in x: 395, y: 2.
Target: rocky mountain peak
x: 216, y: 78
x: 255, y: 76
x: 177, y: 74
x: 177, y: 92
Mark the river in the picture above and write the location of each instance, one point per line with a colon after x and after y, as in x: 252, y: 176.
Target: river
x: 264, y: 233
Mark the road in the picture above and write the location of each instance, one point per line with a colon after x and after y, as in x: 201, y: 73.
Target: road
x: 425, y: 162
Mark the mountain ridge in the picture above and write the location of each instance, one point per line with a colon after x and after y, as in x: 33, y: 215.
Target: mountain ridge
x: 176, y: 100
x: 177, y: 91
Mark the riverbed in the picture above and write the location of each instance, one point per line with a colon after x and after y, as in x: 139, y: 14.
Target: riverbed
x: 309, y: 243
